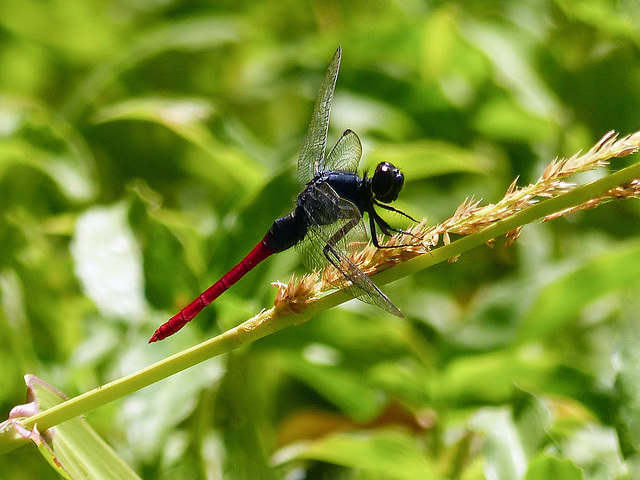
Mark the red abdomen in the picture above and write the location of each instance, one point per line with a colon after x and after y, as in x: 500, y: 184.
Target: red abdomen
x: 175, y: 323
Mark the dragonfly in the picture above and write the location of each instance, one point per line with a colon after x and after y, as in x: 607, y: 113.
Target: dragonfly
x: 328, y: 215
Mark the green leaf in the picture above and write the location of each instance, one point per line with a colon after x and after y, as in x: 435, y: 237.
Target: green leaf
x: 227, y: 166
x: 545, y: 467
x: 347, y: 390
x: 391, y: 455
x: 72, y: 448
x: 617, y: 19
x: 504, y: 454
x: 628, y: 380
x: 108, y: 262
x: 190, y: 34
x: 30, y: 136
x: 365, y: 115
x: 560, y: 301
x: 18, y: 349
x: 489, y: 377
x: 503, y: 119
x: 531, y: 418
x: 426, y: 158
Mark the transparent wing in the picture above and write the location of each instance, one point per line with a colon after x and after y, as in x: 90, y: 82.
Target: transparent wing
x: 345, y: 154
x: 329, y: 237
x: 311, y: 159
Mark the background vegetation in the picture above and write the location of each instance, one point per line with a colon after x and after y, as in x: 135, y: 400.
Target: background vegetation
x: 146, y: 146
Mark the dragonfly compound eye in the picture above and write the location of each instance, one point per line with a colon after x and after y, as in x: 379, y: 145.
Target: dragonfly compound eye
x: 387, y: 182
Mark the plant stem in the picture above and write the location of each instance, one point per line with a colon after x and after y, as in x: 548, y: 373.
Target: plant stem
x: 271, y: 321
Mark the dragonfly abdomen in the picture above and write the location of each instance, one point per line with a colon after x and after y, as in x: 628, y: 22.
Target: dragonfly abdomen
x: 286, y: 231
x: 283, y: 234
x: 253, y: 258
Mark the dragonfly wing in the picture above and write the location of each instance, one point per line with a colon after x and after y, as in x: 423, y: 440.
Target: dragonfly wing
x: 345, y: 154
x: 325, y: 209
x: 311, y: 159
x: 358, y: 285
x: 328, y: 242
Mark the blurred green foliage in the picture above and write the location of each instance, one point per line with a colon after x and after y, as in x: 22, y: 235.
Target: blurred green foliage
x: 146, y: 146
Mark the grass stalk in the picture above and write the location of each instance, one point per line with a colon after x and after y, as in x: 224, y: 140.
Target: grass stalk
x: 275, y: 319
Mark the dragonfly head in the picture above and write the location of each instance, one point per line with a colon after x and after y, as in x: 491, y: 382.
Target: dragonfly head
x: 386, y: 183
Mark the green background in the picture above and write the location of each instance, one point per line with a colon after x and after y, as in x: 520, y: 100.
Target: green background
x: 146, y: 146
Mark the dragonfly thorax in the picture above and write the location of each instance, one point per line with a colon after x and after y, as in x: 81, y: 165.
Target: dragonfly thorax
x: 386, y: 183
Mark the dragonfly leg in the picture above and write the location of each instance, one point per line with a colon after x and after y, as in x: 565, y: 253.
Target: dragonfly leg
x: 360, y: 286
x: 392, y: 209
x: 335, y: 238
x: 385, y: 228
